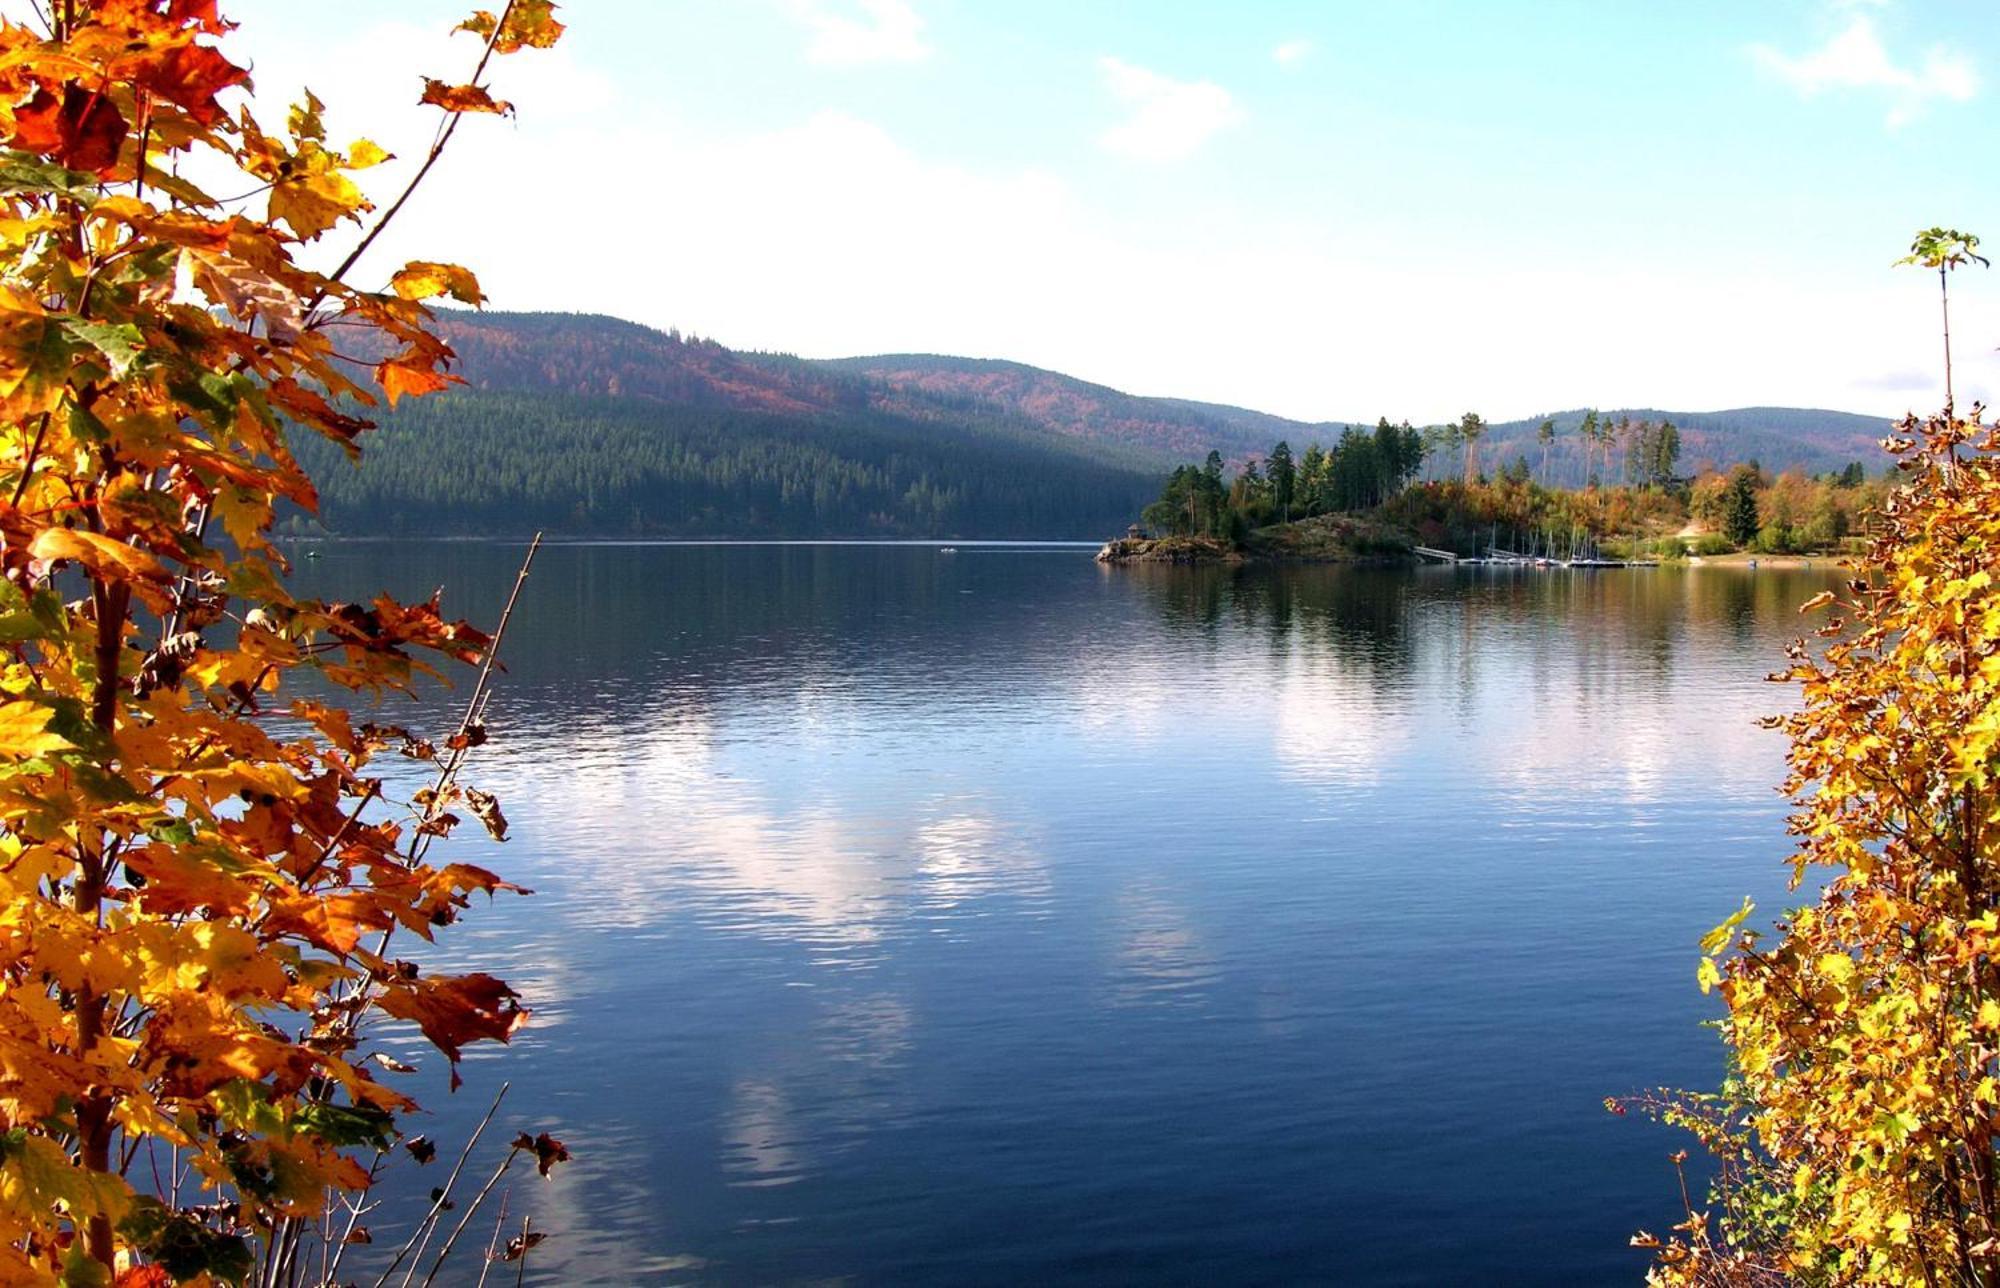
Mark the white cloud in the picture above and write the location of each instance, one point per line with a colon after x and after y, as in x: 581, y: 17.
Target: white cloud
x: 829, y: 234
x: 1292, y: 52
x: 1856, y: 59
x: 1167, y: 119
x: 863, y: 31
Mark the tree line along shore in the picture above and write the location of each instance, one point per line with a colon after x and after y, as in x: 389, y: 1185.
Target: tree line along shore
x: 1368, y: 498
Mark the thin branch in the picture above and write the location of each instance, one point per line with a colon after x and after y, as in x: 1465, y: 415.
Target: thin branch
x: 477, y: 1201
x: 444, y: 1192
x: 28, y: 462
x: 493, y: 1244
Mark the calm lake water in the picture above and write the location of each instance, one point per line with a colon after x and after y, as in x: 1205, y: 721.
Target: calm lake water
x: 908, y: 918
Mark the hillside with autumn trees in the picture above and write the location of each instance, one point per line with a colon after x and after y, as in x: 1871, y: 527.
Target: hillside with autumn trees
x: 589, y: 424
x: 592, y: 425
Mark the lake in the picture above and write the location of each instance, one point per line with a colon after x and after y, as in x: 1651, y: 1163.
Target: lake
x: 993, y: 917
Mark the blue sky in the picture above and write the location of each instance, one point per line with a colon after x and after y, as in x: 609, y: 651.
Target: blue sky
x: 1325, y: 210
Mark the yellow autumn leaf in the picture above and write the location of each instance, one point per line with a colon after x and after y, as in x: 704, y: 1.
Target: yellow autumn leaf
x: 24, y: 731
x: 422, y: 279
x: 1713, y: 941
x: 99, y: 553
x: 363, y: 153
x: 316, y: 201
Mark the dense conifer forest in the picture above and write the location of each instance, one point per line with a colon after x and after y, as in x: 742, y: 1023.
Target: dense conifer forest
x: 480, y: 462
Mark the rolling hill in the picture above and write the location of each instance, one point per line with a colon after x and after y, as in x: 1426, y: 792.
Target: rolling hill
x: 1777, y: 438
x: 587, y: 424
x: 1169, y: 430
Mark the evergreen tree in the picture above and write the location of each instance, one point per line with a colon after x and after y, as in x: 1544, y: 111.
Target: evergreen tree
x: 1470, y: 427
x: 1312, y: 479
x: 1284, y: 479
x: 1739, y: 516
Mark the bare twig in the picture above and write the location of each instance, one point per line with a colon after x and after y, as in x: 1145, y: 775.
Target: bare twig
x: 475, y: 707
x: 444, y: 1193
x: 493, y: 1244
x: 478, y: 1200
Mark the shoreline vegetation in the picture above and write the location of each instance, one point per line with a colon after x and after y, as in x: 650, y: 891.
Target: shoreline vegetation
x: 1368, y: 500
x: 1322, y: 539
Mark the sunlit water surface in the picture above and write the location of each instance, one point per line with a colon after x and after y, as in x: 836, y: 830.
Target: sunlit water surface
x: 993, y: 917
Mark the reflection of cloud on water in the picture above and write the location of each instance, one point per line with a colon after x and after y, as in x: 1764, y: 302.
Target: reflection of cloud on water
x: 1323, y: 709
x: 1633, y: 734
x: 1160, y: 959
x: 759, y: 1138
x: 1555, y: 744
x: 820, y: 1097
x: 598, y: 1210
x: 1330, y: 726
x: 668, y: 830
x: 965, y: 857
x: 820, y: 877
x: 1135, y: 694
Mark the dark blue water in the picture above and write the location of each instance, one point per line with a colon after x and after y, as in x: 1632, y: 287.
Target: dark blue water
x: 997, y: 918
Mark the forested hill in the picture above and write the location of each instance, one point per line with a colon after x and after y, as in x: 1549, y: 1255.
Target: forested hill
x: 1777, y: 438
x: 589, y: 425
x: 1168, y: 429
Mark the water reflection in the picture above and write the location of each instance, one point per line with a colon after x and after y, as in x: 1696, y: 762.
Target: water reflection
x: 906, y: 918
x: 1158, y: 956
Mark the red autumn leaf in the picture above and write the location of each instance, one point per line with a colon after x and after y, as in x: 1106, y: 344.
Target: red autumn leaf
x: 199, y: 12
x: 190, y: 76
x: 145, y: 1277
x: 307, y: 405
x: 548, y: 1151
x: 83, y: 129
x: 456, y: 1010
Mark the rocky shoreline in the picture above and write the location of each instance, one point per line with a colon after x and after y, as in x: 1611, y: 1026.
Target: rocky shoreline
x: 1168, y: 550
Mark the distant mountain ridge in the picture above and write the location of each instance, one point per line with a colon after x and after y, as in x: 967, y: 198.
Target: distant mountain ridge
x: 1182, y: 429
x: 587, y: 423
x: 1777, y: 438
x: 1173, y: 429
x: 595, y: 355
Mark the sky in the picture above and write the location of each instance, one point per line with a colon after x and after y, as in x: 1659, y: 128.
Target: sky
x: 1330, y: 211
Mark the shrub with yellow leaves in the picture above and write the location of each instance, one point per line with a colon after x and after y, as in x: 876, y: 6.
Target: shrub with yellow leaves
x: 200, y: 879
x: 1858, y: 1132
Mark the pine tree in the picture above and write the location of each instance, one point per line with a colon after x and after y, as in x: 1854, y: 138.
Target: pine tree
x: 1739, y: 517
